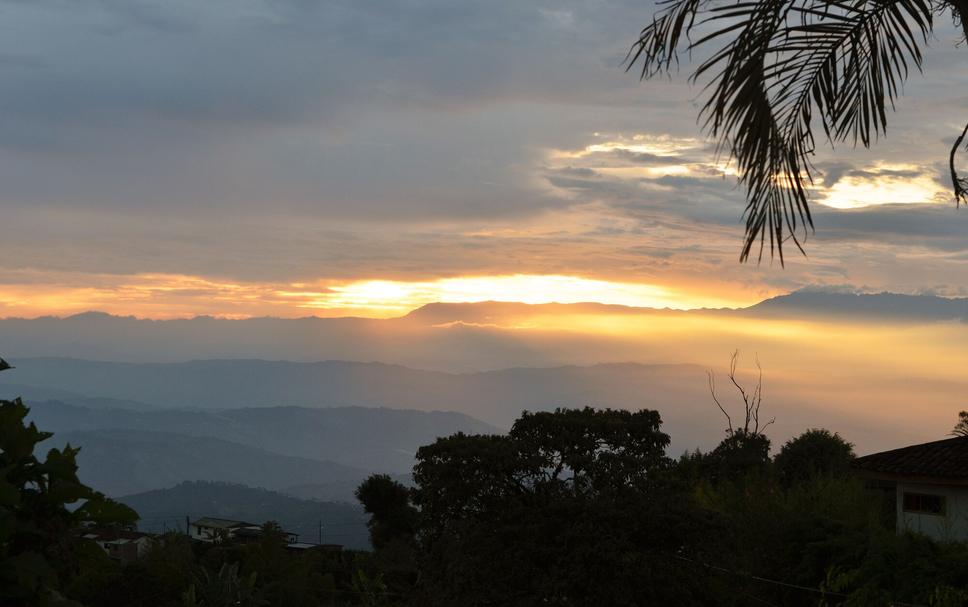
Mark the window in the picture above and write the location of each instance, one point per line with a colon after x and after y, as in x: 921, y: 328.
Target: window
x: 924, y: 503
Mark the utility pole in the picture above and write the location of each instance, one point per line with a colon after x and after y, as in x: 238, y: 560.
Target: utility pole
x: 320, y: 540
x: 188, y: 526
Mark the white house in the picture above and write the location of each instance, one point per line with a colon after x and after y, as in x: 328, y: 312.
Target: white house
x: 209, y: 529
x: 930, y: 483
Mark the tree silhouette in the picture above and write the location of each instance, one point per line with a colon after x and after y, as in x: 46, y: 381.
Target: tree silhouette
x: 571, y: 507
x: 773, y: 68
x: 745, y: 447
x: 42, y: 504
x: 961, y: 428
x: 816, y: 452
x: 388, y: 503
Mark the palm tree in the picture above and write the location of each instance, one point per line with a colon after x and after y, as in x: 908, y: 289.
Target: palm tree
x: 773, y: 66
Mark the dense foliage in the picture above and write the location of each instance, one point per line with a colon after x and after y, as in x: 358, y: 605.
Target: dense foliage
x: 41, y: 503
x: 179, y: 573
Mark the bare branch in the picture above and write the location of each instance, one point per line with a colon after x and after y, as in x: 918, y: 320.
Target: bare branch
x: 752, y: 400
x: 712, y: 390
x: 758, y: 397
x: 742, y: 392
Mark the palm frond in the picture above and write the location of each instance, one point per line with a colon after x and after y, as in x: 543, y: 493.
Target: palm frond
x: 779, y: 63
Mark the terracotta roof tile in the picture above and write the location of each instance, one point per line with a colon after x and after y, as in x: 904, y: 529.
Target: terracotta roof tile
x: 941, y: 459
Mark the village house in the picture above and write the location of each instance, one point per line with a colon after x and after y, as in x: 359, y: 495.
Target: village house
x: 209, y: 529
x: 122, y: 545
x: 930, y: 484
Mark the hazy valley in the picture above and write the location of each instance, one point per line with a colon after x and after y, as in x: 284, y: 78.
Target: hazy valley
x: 298, y: 435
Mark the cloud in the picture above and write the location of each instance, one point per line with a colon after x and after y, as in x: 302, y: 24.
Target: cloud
x: 260, y: 142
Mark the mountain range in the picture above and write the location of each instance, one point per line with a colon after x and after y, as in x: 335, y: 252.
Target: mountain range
x: 312, y: 428
x: 247, y: 387
x: 354, y: 440
x: 451, y: 337
x: 866, y: 306
x: 121, y: 461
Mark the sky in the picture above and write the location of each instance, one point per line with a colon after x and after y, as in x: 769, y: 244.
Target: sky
x: 293, y: 158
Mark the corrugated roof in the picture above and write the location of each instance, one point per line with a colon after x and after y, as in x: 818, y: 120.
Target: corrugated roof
x: 943, y: 459
x: 114, y: 535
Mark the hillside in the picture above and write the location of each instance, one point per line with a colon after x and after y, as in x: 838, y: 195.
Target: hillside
x: 496, y: 397
x: 407, y: 408
x: 376, y: 439
x: 869, y: 306
x: 118, y: 462
x: 166, y: 509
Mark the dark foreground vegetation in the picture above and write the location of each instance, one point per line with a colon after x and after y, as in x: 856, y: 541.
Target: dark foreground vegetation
x: 574, y: 507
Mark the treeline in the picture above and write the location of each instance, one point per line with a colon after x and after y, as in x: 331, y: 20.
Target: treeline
x: 583, y: 507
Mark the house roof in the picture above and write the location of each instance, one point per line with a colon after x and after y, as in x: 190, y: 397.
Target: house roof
x: 221, y: 523
x: 943, y: 459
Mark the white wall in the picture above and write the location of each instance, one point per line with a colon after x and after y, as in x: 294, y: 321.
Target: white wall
x: 953, y: 526
x: 200, y: 533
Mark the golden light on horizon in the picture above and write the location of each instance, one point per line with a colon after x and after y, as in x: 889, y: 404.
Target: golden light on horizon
x: 402, y: 296
x: 180, y: 296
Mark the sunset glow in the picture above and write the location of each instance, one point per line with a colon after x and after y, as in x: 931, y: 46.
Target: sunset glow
x: 483, y: 302
x: 530, y: 289
x: 178, y: 296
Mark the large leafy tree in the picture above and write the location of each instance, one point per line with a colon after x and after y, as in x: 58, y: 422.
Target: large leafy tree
x: 571, y: 507
x: 816, y: 452
x: 776, y: 69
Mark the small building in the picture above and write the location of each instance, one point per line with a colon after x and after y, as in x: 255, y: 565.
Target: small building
x: 121, y: 545
x: 930, y: 483
x: 209, y: 529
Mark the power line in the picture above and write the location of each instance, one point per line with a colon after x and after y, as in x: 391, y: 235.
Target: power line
x: 789, y: 585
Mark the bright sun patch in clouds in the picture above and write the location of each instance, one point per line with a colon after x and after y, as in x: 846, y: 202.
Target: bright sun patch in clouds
x: 640, y: 143
x: 642, y: 156
x: 885, y: 184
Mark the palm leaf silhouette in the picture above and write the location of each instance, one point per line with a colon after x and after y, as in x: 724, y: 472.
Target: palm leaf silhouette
x: 777, y: 67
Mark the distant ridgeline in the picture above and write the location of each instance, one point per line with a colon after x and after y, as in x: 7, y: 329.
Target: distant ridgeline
x: 414, y: 339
